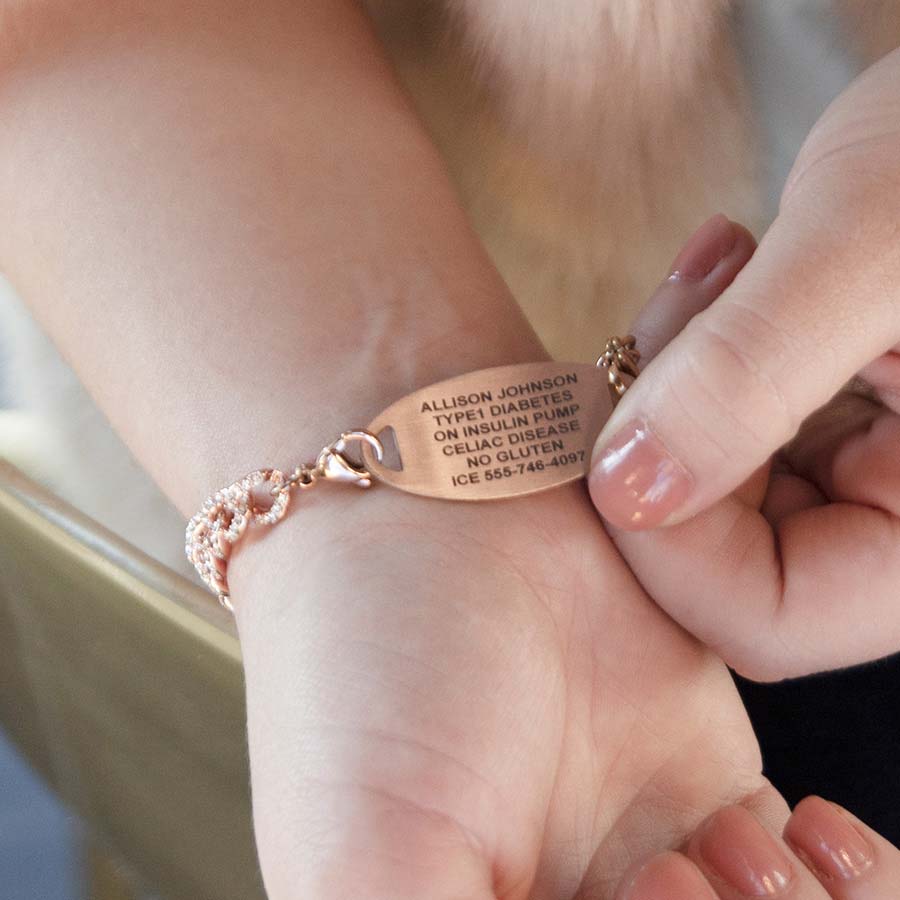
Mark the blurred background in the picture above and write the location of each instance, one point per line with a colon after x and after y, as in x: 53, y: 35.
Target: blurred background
x: 48, y: 853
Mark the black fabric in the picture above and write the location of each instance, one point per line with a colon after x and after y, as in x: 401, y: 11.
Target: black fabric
x: 837, y: 735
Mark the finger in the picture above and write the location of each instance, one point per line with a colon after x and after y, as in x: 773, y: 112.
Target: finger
x: 851, y: 861
x: 706, y: 265
x: 736, y: 383
x: 741, y: 858
x: 849, y: 451
x: 668, y: 876
x: 884, y: 376
x: 703, y: 269
x: 810, y: 581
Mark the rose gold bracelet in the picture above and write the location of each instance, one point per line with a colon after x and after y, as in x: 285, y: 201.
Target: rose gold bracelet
x: 490, y: 434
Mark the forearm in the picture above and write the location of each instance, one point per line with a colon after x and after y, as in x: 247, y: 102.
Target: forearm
x: 233, y: 226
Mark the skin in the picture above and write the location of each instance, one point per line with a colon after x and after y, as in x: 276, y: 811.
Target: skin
x: 235, y: 229
x: 781, y: 402
x: 826, y: 852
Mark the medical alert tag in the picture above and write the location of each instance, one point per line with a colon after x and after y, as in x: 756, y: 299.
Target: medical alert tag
x: 495, y: 433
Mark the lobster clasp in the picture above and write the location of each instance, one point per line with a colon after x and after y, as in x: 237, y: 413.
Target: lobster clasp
x: 333, y: 465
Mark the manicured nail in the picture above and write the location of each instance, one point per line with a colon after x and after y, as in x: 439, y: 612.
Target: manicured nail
x: 741, y: 852
x: 706, y: 247
x: 635, y: 482
x: 667, y: 877
x: 821, y: 831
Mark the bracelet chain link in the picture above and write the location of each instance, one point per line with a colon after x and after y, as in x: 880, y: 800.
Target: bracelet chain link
x: 226, y: 514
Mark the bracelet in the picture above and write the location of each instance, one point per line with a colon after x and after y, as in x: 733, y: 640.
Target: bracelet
x: 491, y: 434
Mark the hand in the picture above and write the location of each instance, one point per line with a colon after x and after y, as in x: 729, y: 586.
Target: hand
x: 766, y: 436
x: 825, y: 852
x: 449, y: 700
x: 443, y: 700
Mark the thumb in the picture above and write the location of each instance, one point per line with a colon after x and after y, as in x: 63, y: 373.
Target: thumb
x: 806, y: 313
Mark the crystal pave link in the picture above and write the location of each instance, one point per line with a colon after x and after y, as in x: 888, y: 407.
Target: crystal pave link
x: 222, y: 520
x: 226, y: 514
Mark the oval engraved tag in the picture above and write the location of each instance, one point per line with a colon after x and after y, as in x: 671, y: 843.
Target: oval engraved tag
x: 494, y: 433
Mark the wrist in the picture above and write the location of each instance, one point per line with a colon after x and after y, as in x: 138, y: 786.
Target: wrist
x: 345, y: 543
x: 254, y: 245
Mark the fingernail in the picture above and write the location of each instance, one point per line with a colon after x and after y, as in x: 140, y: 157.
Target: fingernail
x: 741, y: 852
x: 635, y: 482
x: 706, y: 247
x: 821, y: 831
x: 667, y: 878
